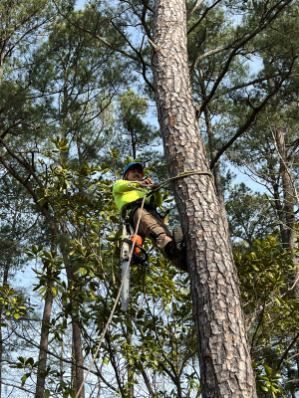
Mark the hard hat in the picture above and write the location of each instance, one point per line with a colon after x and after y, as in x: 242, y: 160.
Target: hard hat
x: 132, y: 165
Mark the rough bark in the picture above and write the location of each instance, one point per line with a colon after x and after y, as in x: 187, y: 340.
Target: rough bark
x: 225, y: 362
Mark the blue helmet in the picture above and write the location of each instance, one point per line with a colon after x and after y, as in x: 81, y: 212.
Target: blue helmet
x: 133, y: 165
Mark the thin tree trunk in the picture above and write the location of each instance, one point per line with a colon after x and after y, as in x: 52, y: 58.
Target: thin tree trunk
x: 279, y: 210
x: 133, y: 144
x: 211, y: 145
x: 288, y: 193
x: 77, y: 368
x: 226, y: 369
x: 44, y: 343
x: 1, y: 65
x: 4, y: 282
x: 290, y: 236
x: 130, y: 370
x: 6, y: 268
x: 1, y: 352
x: 44, y: 338
x: 78, y: 356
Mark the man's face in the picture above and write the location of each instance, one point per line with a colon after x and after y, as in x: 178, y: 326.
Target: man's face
x: 134, y: 174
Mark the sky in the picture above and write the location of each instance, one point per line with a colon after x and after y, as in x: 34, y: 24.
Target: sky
x: 80, y: 4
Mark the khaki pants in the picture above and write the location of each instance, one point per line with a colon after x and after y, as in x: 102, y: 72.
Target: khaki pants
x: 152, y: 226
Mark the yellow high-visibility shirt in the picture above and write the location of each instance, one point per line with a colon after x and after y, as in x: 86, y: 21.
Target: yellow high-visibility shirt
x: 125, y: 192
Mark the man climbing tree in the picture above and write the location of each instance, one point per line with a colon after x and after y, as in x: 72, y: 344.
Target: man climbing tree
x: 128, y: 194
x: 226, y: 369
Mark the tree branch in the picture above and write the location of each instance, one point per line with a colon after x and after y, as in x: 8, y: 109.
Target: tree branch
x: 93, y: 34
x: 238, y: 44
x: 196, y: 7
x: 285, y: 354
x: 250, y: 120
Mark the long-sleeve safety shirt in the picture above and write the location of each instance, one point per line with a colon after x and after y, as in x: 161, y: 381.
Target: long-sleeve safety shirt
x: 125, y: 192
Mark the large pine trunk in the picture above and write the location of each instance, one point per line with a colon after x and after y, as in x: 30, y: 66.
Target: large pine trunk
x: 225, y: 362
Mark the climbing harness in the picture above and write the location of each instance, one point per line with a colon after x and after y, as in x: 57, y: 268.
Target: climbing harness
x: 102, y: 336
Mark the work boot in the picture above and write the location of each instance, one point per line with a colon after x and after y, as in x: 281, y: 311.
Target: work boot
x: 178, y: 237
x: 176, y: 256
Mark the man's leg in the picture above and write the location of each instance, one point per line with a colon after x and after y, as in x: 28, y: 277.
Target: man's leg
x: 151, y: 226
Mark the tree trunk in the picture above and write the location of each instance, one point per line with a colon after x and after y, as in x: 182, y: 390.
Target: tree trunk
x: 1, y: 352
x: 289, y: 198
x: 44, y: 338
x: 78, y: 356
x: 44, y: 343
x: 77, y: 368
x: 4, y: 282
x: 211, y: 144
x: 130, y: 369
x: 226, y: 369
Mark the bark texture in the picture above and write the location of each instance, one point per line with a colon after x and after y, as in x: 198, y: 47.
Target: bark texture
x: 226, y: 369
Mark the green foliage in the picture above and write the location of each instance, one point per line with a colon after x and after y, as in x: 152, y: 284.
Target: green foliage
x: 12, y: 303
x: 250, y: 215
x: 137, y: 133
x: 271, y: 312
x: 268, y: 381
x: 27, y: 365
x: 263, y: 271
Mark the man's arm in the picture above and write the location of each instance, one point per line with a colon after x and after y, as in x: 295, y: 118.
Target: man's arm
x: 121, y: 186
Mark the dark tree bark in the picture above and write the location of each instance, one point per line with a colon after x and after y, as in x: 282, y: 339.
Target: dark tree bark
x: 226, y: 369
